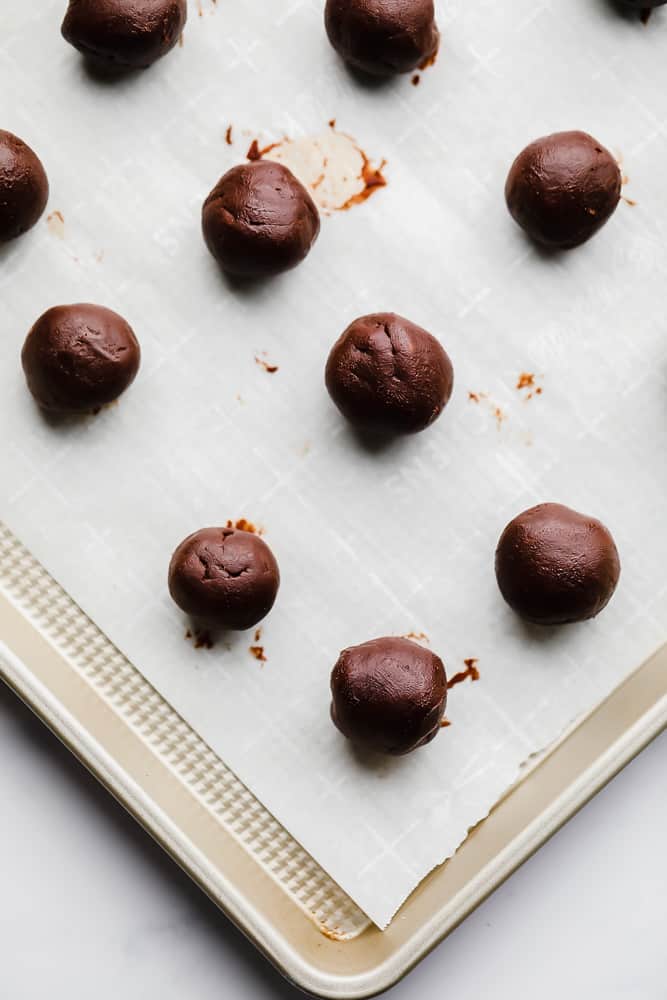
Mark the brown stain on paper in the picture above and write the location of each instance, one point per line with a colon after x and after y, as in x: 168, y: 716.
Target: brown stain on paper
x: 257, y: 650
x: 371, y: 177
x: 499, y: 414
x: 430, y: 60
x: 256, y: 152
x: 470, y: 671
x: 242, y: 524
x: 527, y: 380
x: 417, y: 636
x: 263, y: 363
x: 56, y: 223
x: 202, y: 638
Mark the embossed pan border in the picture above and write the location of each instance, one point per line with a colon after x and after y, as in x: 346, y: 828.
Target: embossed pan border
x: 584, y: 761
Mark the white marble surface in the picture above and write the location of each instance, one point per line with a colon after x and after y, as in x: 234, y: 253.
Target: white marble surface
x: 92, y: 908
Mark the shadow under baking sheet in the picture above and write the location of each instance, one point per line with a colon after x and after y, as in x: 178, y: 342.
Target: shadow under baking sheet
x: 191, y: 922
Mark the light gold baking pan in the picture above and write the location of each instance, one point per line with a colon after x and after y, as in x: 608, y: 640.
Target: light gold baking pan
x: 69, y: 674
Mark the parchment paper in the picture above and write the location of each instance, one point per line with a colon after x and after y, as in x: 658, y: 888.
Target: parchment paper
x: 369, y: 542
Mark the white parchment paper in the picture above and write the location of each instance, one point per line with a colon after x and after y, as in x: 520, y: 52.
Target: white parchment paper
x: 369, y: 542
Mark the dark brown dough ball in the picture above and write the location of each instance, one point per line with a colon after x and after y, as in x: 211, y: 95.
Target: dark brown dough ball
x: 562, y: 188
x: 556, y: 566
x: 259, y: 220
x: 388, y: 374
x: 382, y: 37
x: 225, y: 577
x: 388, y: 695
x: 128, y: 34
x: 24, y: 187
x: 77, y: 358
x: 643, y: 6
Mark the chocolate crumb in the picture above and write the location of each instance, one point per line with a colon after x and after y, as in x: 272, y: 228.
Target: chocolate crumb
x: 228, y: 135
x: 526, y: 380
x: 255, y: 152
x: 373, y: 179
x: 258, y: 653
x: 271, y: 369
x: 203, y: 639
x: 244, y: 525
x: 56, y: 223
x: 470, y: 671
x: 417, y: 636
x: 430, y: 60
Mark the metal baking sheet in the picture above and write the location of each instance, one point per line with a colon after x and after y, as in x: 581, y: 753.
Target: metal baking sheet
x: 79, y: 686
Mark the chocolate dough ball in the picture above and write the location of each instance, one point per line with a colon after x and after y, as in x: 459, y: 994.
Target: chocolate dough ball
x: 643, y: 5
x: 24, y: 188
x: 259, y: 220
x: 77, y: 358
x: 389, y: 375
x: 562, y: 188
x: 388, y: 695
x: 225, y: 577
x: 127, y: 34
x: 382, y: 37
x: 556, y: 566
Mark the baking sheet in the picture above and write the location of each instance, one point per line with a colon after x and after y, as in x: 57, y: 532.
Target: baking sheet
x: 369, y: 542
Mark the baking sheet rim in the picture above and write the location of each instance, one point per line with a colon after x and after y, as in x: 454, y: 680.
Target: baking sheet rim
x: 72, y: 731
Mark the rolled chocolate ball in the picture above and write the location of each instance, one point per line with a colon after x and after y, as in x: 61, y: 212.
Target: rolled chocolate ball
x: 77, y: 358
x: 382, y: 37
x: 387, y: 374
x: 259, y: 220
x: 555, y: 566
x: 562, y: 188
x: 24, y: 187
x: 127, y: 34
x: 643, y: 6
x: 388, y: 695
x: 225, y: 577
